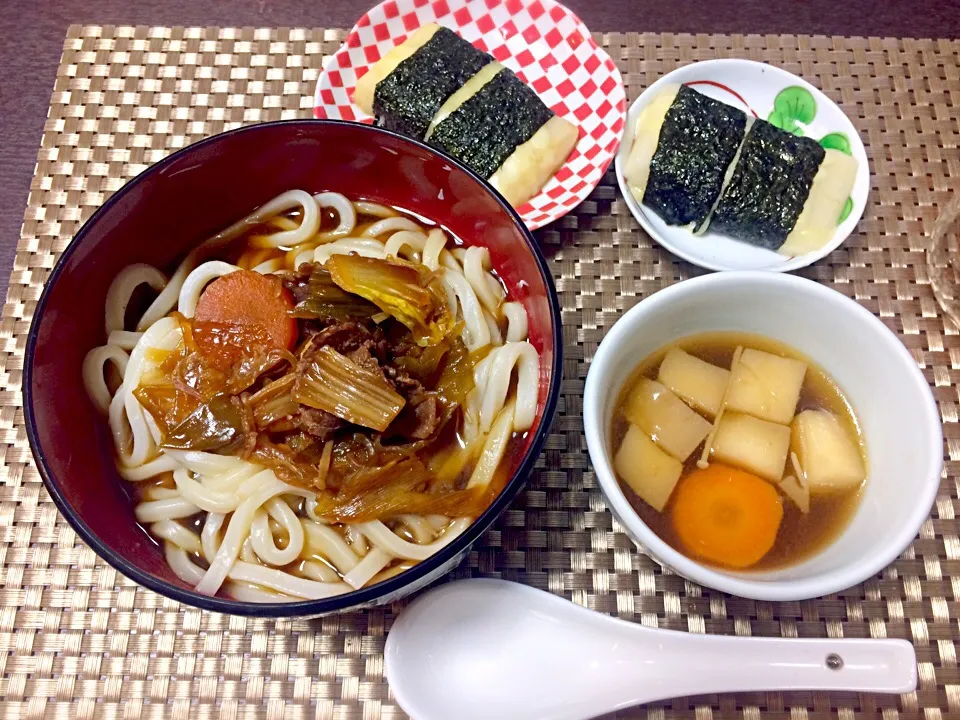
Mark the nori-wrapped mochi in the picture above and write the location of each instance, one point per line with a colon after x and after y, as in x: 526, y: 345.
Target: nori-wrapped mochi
x: 698, y: 141
x: 488, y: 127
x: 769, y: 186
x: 408, y: 98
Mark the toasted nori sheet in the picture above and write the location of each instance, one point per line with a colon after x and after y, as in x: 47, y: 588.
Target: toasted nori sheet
x: 698, y: 141
x: 769, y: 186
x: 488, y: 127
x: 408, y: 98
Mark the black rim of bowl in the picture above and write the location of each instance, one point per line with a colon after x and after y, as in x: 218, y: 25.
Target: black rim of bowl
x: 347, y: 601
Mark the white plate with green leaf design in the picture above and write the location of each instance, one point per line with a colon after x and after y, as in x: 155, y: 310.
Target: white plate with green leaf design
x: 786, y: 101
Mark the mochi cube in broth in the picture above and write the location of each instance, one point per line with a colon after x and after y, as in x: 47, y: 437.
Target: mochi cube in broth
x: 648, y: 470
x: 829, y: 456
x: 754, y: 445
x: 696, y: 381
x: 766, y: 386
x: 666, y: 418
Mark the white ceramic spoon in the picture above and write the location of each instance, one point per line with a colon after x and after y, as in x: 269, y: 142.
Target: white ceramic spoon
x: 494, y: 649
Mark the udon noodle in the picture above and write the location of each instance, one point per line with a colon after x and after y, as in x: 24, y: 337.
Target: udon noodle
x: 232, y: 522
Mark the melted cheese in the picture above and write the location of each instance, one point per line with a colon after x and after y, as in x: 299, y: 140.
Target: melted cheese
x: 367, y: 85
x: 528, y: 168
x: 817, y: 223
x: 646, y: 137
x: 470, y: 88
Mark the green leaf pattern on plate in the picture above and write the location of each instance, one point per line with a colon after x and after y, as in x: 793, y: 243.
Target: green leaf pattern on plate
x: 847, y: 209
x: 793, y: 109
x: 836, y: 141
x: 840, y: 142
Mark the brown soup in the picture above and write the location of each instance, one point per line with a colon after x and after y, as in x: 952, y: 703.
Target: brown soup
x: 801, y: 535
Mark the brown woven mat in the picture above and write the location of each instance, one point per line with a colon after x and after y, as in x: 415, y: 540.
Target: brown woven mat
x: 78, y: 640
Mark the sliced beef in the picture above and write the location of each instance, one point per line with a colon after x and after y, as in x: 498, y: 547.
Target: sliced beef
x: 346, y: 337
x: 404, y: 382
x: 318, y: 423
x: 363, y: 357
x: 420, y: 418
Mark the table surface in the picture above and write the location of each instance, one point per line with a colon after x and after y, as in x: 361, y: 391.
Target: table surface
x: 79, y: 641
x: 32, y: 32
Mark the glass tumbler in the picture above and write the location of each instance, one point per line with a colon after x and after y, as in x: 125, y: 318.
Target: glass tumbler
x: 943, y: 259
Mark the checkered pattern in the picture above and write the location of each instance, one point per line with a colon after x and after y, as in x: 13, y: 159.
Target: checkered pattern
x: 545, y: 44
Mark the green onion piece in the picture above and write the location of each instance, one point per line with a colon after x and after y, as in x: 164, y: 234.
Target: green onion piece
x: 356, y: 393
x: 326, y: 299
x: 410, y: 293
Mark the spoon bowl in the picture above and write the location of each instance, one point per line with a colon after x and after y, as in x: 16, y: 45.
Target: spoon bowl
x: 480, y: 648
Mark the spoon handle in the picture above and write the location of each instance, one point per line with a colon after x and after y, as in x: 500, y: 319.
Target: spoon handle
x: 724, y: 664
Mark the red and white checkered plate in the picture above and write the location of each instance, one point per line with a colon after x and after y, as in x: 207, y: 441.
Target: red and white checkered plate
x: 544, y: 43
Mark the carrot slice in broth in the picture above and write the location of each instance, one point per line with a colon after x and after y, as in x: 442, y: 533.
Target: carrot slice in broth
x: 727, y: 516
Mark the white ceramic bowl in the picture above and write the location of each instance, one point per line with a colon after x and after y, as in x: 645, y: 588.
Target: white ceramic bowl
x: 899, y: 417
x: 753, y: 87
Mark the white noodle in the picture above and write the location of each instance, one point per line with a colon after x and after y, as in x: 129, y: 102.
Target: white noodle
x: 177, y: 534
x: 270, y: 266
x: 122, y: 287
x: 181, y: 564
x: 516, y: 321
x: 503, y: 360
x: 263, y: 541
x: 155, y: 492
x: 346, y: 214
x: 237, y: 530
x: 319, y: 571
x: 247, y: 553
x: 197, y: 280
x: 124, y: 339
x: 496, y: 337
x: 437, y: 522
x: 170, y: 509
x: 374, y: 209
x: 493, y: 448
x: 476, y: 331
x: 391, y: 225
x: 418, y: 526
x: 324, y: 540
x: 375, y: 561
x: 207, y: 499
x: 356, y: 540
x: 247, y: 592
x: 385, y: 539
x: 163, y: 463
x: 405, y: 240
x: 434, y: 249
x: 286, y: 583
x: 253, y: 525
x: 364, y: 247
x: 94, y: 365
x: 209, y: 536
x: 476, y: 268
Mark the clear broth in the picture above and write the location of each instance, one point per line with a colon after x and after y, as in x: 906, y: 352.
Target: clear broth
x: 801, y: 536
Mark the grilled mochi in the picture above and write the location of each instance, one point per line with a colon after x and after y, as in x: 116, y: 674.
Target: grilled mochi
x: 437, y: 87
x: 505, y: 133
x: 406, y: 89
x: 684, y: 145
x: 786, y: 192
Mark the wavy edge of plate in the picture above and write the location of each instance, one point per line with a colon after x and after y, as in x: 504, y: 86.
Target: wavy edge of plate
x: 541, y: 218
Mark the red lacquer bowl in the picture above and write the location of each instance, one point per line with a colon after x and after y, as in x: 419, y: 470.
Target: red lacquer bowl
x: 177, y: 203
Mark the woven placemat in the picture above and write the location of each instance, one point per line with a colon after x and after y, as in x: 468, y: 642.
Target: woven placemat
x: 78, y: 640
